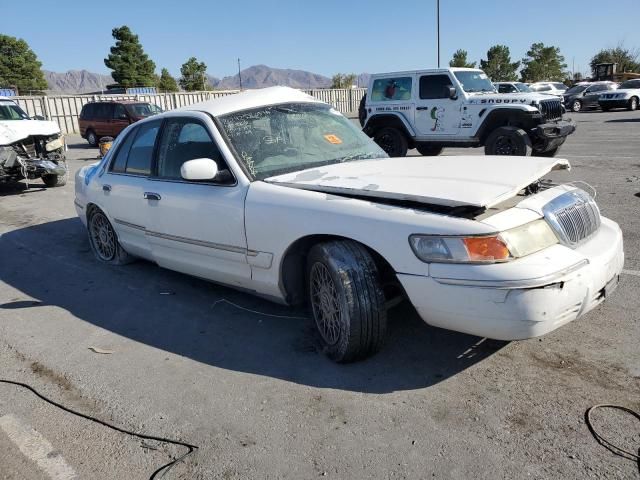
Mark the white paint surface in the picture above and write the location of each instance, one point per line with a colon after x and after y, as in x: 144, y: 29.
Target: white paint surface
x: 36, y: 448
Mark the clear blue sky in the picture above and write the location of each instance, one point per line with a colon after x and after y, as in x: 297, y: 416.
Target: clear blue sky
x: 323, y: 37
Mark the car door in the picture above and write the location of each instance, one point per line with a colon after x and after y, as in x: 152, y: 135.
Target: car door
x: 124, y: 185
x: 119, y: 120
x: 436, y: 113
x: 196, y: 227
x: 591, y: 95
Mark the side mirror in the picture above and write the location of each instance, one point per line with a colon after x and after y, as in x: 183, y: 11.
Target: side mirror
x: 38, y: 117
x: 199, y: 169
x: 452, y: 93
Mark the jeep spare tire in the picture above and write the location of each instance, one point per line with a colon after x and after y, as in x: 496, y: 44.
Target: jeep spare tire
x: 362, y: 111
x: 428, y: 150
x: 392, y: 141
x: 508, y: 141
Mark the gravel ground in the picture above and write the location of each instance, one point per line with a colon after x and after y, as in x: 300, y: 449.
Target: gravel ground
x: 251, y: 390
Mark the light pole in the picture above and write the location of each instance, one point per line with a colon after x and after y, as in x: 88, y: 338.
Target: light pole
x: 239, y: 74
x: 438, y: 22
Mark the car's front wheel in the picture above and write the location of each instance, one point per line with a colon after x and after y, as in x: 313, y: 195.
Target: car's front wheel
x: 428, y: 150
x: 508, y: 141
x: 51, y: 181
x: 346, y: 299
x: 633, y: 104
x: 92, y: 138
x: 576, y: 106
x: 104, y: 240
x: 392, y: 141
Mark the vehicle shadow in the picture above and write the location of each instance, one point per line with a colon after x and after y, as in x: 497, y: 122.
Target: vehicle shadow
x: 20, y: 188
x: 216, y: 325
x: 624, y: 120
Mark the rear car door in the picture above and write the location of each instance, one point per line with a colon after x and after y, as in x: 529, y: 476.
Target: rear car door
x: 436, y: 113
x: 102, y: 119
x: 196, y: 227
x: 124, y: 185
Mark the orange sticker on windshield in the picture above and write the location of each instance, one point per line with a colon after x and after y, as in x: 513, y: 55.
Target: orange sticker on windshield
x: 333, y: 139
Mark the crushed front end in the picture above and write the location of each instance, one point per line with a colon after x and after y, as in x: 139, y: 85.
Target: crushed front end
x: 34, y: 157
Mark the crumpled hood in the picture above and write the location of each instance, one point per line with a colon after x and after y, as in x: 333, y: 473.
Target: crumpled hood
x: 525, y: 98
x: 478, y: 181
x: 13, y: 130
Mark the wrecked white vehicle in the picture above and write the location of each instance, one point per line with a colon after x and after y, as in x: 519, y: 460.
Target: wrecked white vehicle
x: 30, y: 148
x: 278, y: 194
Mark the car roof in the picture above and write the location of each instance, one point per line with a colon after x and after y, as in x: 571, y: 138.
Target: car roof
x: 250, y: 99
x: 127, y: 102
x: 7, y: 98
x: 426, y: 70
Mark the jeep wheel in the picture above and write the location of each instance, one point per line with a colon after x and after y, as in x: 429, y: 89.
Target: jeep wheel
x: 428, y: 150
x: 576, y: 106
x: 92, y: 138
x: 362, y: 111
x: 633, y: 104
x: 392, y: 141
x: 508, y: 141
x: 51, y: 181
x: 346, y: 300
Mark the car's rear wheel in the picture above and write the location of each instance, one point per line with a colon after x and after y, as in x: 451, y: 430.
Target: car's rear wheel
x: 428, y: 150
x: 92, y: 138
x: 104, y: 240
x: 392, y: 141
x: 508, y: 141
x: 346, y: 299
x: 576, y: 106
x: 633, y: 104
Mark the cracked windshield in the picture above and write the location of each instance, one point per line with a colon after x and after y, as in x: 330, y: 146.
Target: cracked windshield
x: 286, y: 138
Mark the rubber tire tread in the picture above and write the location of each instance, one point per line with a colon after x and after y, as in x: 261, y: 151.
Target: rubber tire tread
x: 122, y: 257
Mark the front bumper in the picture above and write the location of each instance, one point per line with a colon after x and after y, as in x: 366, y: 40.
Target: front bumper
x: 514, y: 310
x: 618, y: 103
x: 549, y: 136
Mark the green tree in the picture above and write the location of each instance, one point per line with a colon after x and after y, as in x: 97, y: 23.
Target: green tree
x: 498, y: 65
x: 19, y: 66
x: 342, y: 80
x: 166, y: 83
x: 460, y: 60
x: 627, y: 60
x: 194, y: 75
x: 543, y: 63
x: 131, y: 66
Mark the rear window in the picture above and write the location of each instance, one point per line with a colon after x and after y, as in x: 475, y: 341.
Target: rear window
x: 389, y: 89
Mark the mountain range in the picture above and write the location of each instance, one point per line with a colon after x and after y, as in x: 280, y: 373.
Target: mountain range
x: 256, y: 76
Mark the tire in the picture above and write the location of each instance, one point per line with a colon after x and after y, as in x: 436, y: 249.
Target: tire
x: 52, y: 181
x: 101, y: 233
x: 392, y: 141
x: 362, y: 111
x: 343, y: 282
x: 428, y: 150
x: 92, y: 138
x: 550, y: 153
x: 633, y: 104
x: 576, y: 106
x: 508, y: 141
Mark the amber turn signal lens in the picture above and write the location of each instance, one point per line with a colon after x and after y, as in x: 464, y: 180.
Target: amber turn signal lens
x: 486, y: 248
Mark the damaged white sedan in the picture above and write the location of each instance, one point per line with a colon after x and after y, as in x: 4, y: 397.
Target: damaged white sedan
x: 276, y: 193
x: 30, y: 148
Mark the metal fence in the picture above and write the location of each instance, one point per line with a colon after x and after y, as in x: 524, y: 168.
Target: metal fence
x: 65, y: 109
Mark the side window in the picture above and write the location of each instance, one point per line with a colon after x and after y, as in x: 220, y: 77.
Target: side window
x: 87, y: 111
x: 119, y: 163
x: 435, y: 86
x: 506, y: 88
x: 184, y: 139
x: 141, y: 153
x: 119, y: 112
x: 102, y: 111
x: 387, y: 89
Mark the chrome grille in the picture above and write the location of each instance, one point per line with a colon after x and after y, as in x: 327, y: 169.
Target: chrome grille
x: 551, y: 109
x: 574, y: 216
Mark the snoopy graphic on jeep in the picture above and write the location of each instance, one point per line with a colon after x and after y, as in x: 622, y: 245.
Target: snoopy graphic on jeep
x: 459, y: 107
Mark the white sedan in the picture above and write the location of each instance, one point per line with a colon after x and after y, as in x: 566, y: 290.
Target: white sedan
x: 278, y: 194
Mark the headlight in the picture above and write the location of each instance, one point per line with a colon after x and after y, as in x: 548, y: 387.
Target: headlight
x: 508, y: 245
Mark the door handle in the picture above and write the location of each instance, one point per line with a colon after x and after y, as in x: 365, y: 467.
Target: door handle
x: 152, y: 196
x: 422, y: 108
x: 106, y: 188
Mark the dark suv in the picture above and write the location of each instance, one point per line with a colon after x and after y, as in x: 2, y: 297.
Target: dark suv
x: 102, y: 119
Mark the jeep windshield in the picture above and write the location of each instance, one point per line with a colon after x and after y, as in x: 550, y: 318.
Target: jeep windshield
x: 474, y: 81
x: 11, y: 111
x: 279, y: 139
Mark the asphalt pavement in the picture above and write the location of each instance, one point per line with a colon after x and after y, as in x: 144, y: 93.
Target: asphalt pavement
x: 165, y: 354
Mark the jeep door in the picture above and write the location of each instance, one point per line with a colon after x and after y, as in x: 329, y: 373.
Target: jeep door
x: 437, y: 114
x: 196, y: 227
